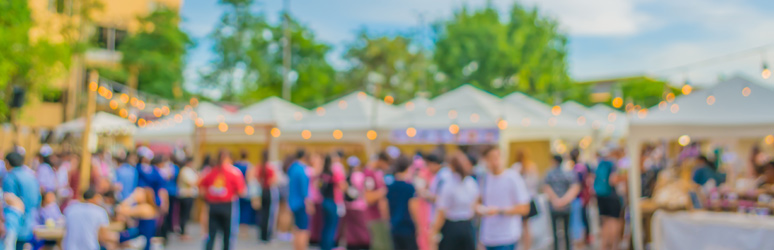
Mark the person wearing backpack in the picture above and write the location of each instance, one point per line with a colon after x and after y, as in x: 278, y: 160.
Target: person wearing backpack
x: 609, y: 202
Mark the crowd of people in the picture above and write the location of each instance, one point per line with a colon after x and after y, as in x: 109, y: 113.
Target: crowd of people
x: 463, y: 199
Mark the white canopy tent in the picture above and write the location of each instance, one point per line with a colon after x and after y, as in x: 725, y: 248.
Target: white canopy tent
x: 530, y: 119
x: 731, y: 110
x: 465, y: 106
x: 354, y: 115
x: 168, y: 132
x: 614, y: 123
x: 272, y: 110
x: 101, y: 123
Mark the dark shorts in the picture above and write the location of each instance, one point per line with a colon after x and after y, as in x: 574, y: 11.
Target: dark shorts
x: 609, y: 206
x: 301, y: 219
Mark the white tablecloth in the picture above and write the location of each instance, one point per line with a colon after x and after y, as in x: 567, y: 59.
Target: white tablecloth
x: 701, y: 230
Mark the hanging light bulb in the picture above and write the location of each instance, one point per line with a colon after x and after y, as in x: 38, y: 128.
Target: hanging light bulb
x: 275, y: 132
x: 337, y: 134
x: 710, y: 100
x: 617, y: 102
x: 411, y: 132
x: 746, y: 91
x: 371, y: 134
x: 766, y: 72
x: 687, y: 89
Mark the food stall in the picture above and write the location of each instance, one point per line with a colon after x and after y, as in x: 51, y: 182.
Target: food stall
x: 724, y: 116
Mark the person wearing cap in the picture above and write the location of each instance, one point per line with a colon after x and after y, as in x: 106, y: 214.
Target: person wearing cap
x: 561, y: 187
x: 21, y: 181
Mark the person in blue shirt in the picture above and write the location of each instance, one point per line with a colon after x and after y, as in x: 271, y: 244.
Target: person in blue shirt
x: 404, y: 206
x: 126, y: 175
x: 169, y: 172
x: 148, y: 176
x: 707, y: 171
x: 21, y: 181
x: 298, y: 199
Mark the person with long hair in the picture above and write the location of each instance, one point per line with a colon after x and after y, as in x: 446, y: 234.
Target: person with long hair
x: 141, y: 205
x: 585, y: 179
x: 266, y: 177
x: 707, y: 170
x: 331, y: 184
x: 504, y: 202
x: 528, y: 170
x: 354, y: 228
x: 455, y: 207
x: 221, y: 186
x: 609, y: 202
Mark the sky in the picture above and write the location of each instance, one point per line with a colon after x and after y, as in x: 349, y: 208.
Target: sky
x: 607, y: 38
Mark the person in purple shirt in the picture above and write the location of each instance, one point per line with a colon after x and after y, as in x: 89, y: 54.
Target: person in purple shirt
x: 52, y: 176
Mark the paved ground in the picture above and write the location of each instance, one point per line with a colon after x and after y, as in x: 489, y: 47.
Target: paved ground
x: 246, y: 241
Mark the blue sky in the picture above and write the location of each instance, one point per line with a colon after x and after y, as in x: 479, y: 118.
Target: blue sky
x: 608, y: 38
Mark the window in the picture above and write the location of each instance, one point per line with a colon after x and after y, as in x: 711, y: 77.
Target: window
x: 61, y: 6
x: 109, y: 38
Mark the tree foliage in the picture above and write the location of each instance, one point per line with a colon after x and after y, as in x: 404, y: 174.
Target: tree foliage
x: 248, y: 59
x: 158, y: 51
x: 26, y: 62
x: 527, y: 53
x: 397, y: 66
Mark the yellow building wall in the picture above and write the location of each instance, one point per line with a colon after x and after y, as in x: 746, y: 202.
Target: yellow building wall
x: 253, y: 150
x: 538, y: 151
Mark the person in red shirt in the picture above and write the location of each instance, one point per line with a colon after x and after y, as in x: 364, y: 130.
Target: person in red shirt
x: 265, y: 175
x: 220, y: 187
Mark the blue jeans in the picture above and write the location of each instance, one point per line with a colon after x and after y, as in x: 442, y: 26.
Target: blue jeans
x: 504, y: 247
x: 330, y: 223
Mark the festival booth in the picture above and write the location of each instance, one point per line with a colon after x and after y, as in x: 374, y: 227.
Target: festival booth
x: 446, y: 120
x: 539, y: 130
x: 106, y: 130
x: 732, y: 116
x: 166, y: 134
x: 354, y: 124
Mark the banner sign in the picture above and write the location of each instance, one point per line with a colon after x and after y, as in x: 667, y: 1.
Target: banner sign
x: 443, y: 136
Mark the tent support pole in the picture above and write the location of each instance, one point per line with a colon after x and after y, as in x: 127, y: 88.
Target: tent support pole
x: 634, y: 152
x: 85, y: 175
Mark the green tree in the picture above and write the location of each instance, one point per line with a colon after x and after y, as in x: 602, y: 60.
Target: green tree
x: 402, y: 68
x: 248, y: 62
x: 158, y: 51
x: 527, y: 53
x: 31, y: 63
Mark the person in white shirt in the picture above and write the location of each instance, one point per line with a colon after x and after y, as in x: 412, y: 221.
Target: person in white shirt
x: 455, y: 207
x: 504, y: 200
x: 86, y: 224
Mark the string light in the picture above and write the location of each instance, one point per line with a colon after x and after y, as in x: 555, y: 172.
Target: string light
x: 298, y: 115
x: 642, y: 113
x: 248, y: 119
x: 670, y: 97
x: 133, y: 101
x: 766, y: 72
x: 710, y: 100
x: 411, y: 132
x: 769, y: 139
x: 409, y: 105
x: 454, y: 129
x: 320, y: 111
x: 371, y: 135
x: 199, y: 122
x: 585, y: 142
x: 178, y: 118
x: 430, y: 111
x: 157, y: 112
x: 687, y: 89
x: 275, y: 132
x: 141, y: 122
x: 337, y: 134
x: 474, y: 118
x: 361, y: 96
x: 662, y: 105
x: 552, y: 121
x: 223, y: 127
x: 684, y: 140
x: 581, y: 120
x: 452, y: 114
x: 165, y: 110
x: 502, y: 124
x: 113, y: 104
x: 194, y: 102
x: 249, y: 130
x: 306, y: 134
x: 93, y: 86
x: 746, y: 91
x: 123, y: 113
x: 675, y: 108
x: 389, y: 100
x: 617, y: 102
x: 343, y: 104
x: 132, y: 118
x: 124, y: 98
x: 141, y: 104
x: 525, y: 122
x: 556, y: 110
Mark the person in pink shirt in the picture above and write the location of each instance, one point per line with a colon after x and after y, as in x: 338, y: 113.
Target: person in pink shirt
x: 353, y: 227
x: 422, y: 177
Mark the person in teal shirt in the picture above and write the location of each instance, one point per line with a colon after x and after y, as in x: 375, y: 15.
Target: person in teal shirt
x: 21, y: 181
x: 707, y: 171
